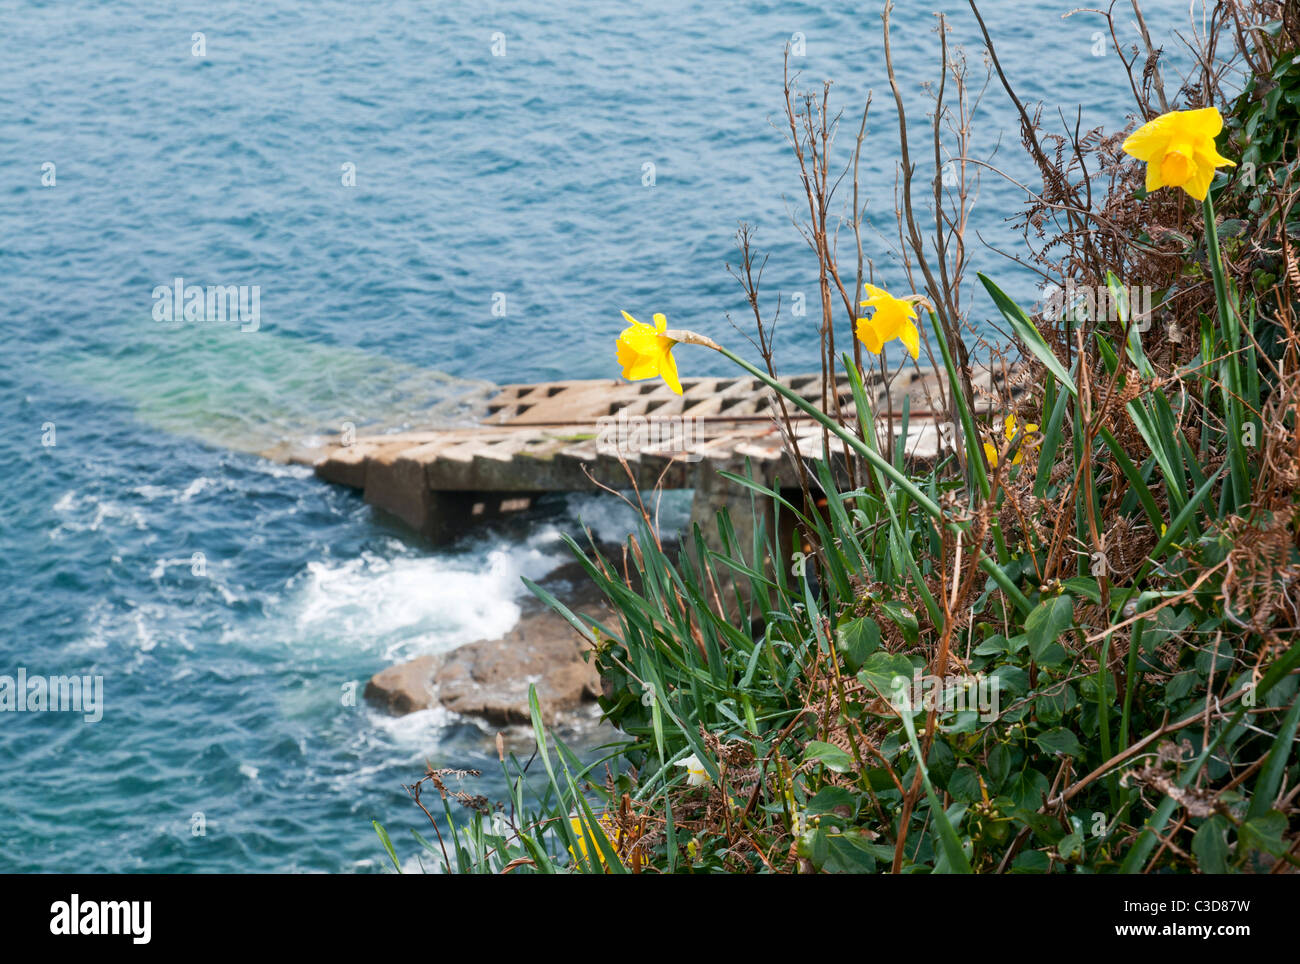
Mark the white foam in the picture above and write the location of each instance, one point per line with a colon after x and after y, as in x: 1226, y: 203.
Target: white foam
x: 149, y: 492
x: 88, y: 513
x: 399, y: 603
x: 162, y: 565
x: 407, y: 605
x: 281, y: 470
x: 145, y: 638
x: 194, y: 488
x: 410, y: 731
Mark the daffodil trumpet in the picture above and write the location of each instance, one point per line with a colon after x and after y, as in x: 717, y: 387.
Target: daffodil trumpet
x: 696, y: 774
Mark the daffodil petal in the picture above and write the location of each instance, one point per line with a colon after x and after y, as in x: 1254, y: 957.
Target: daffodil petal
x: 911, y: 338
x: 668, y: 369
x: 874, y: 293
x: 639, y: 368
x: 888, y: 321
x: 1149, y: 140
x: 1198, y: 184
x: 868, y: 336
x: 1205, y: 122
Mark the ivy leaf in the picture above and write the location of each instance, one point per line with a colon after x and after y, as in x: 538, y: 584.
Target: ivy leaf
x: 828, y: 798
x: 829, y: 756
x: 1029, y: 789
x: 1070, y: 846
x: 1084, y: 587
x: 880, y: 669
x: 1030, y: 862
x: 1053, y: 703
x: 1211, y: 846
x: 856, y: 640
x: 1011, y: 681
x: 1265, y: 833
x: 964, y: 784
x: 1000, y: 644
x: 903, y: 618
x: 1060, y: 740
x: 1048, y: 620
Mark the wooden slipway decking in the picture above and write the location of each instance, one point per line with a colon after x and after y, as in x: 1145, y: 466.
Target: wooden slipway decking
x: 569, y: 436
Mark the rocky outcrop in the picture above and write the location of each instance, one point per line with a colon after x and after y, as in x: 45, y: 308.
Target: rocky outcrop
x: 489, y: 679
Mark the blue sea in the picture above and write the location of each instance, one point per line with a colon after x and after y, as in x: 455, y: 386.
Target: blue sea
x: 429, y: 197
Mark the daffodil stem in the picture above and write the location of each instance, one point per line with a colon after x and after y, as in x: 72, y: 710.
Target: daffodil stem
x: 1216, y: 259
x: 1230, y: 331
x: 928, y: 505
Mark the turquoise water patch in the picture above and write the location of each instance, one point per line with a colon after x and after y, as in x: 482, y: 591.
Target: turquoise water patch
x: 256, y: 391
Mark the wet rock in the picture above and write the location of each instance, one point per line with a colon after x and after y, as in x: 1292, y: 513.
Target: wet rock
x: 489, y: 679
x: 403, y: 688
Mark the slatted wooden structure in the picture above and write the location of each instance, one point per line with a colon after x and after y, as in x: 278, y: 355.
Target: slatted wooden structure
x: 578, y: 435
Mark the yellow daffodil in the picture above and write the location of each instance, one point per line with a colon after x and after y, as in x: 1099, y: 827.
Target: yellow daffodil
x: 1010, y: 429
x: 892, y: 318
x: 584, y: 835
x: 1179, y: 150
x: 645, y: 351
x: 696, y: 775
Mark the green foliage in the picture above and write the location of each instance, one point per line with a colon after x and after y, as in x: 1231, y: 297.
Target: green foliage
x: 1264, y: 120
x: 837, y: 738
x: 1258, y: 202
x: 1100, y: 736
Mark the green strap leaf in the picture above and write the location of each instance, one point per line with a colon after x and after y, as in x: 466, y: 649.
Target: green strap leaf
x: 1029, y: 335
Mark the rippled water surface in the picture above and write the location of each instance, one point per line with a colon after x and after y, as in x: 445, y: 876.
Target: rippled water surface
x: 227, y: 599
